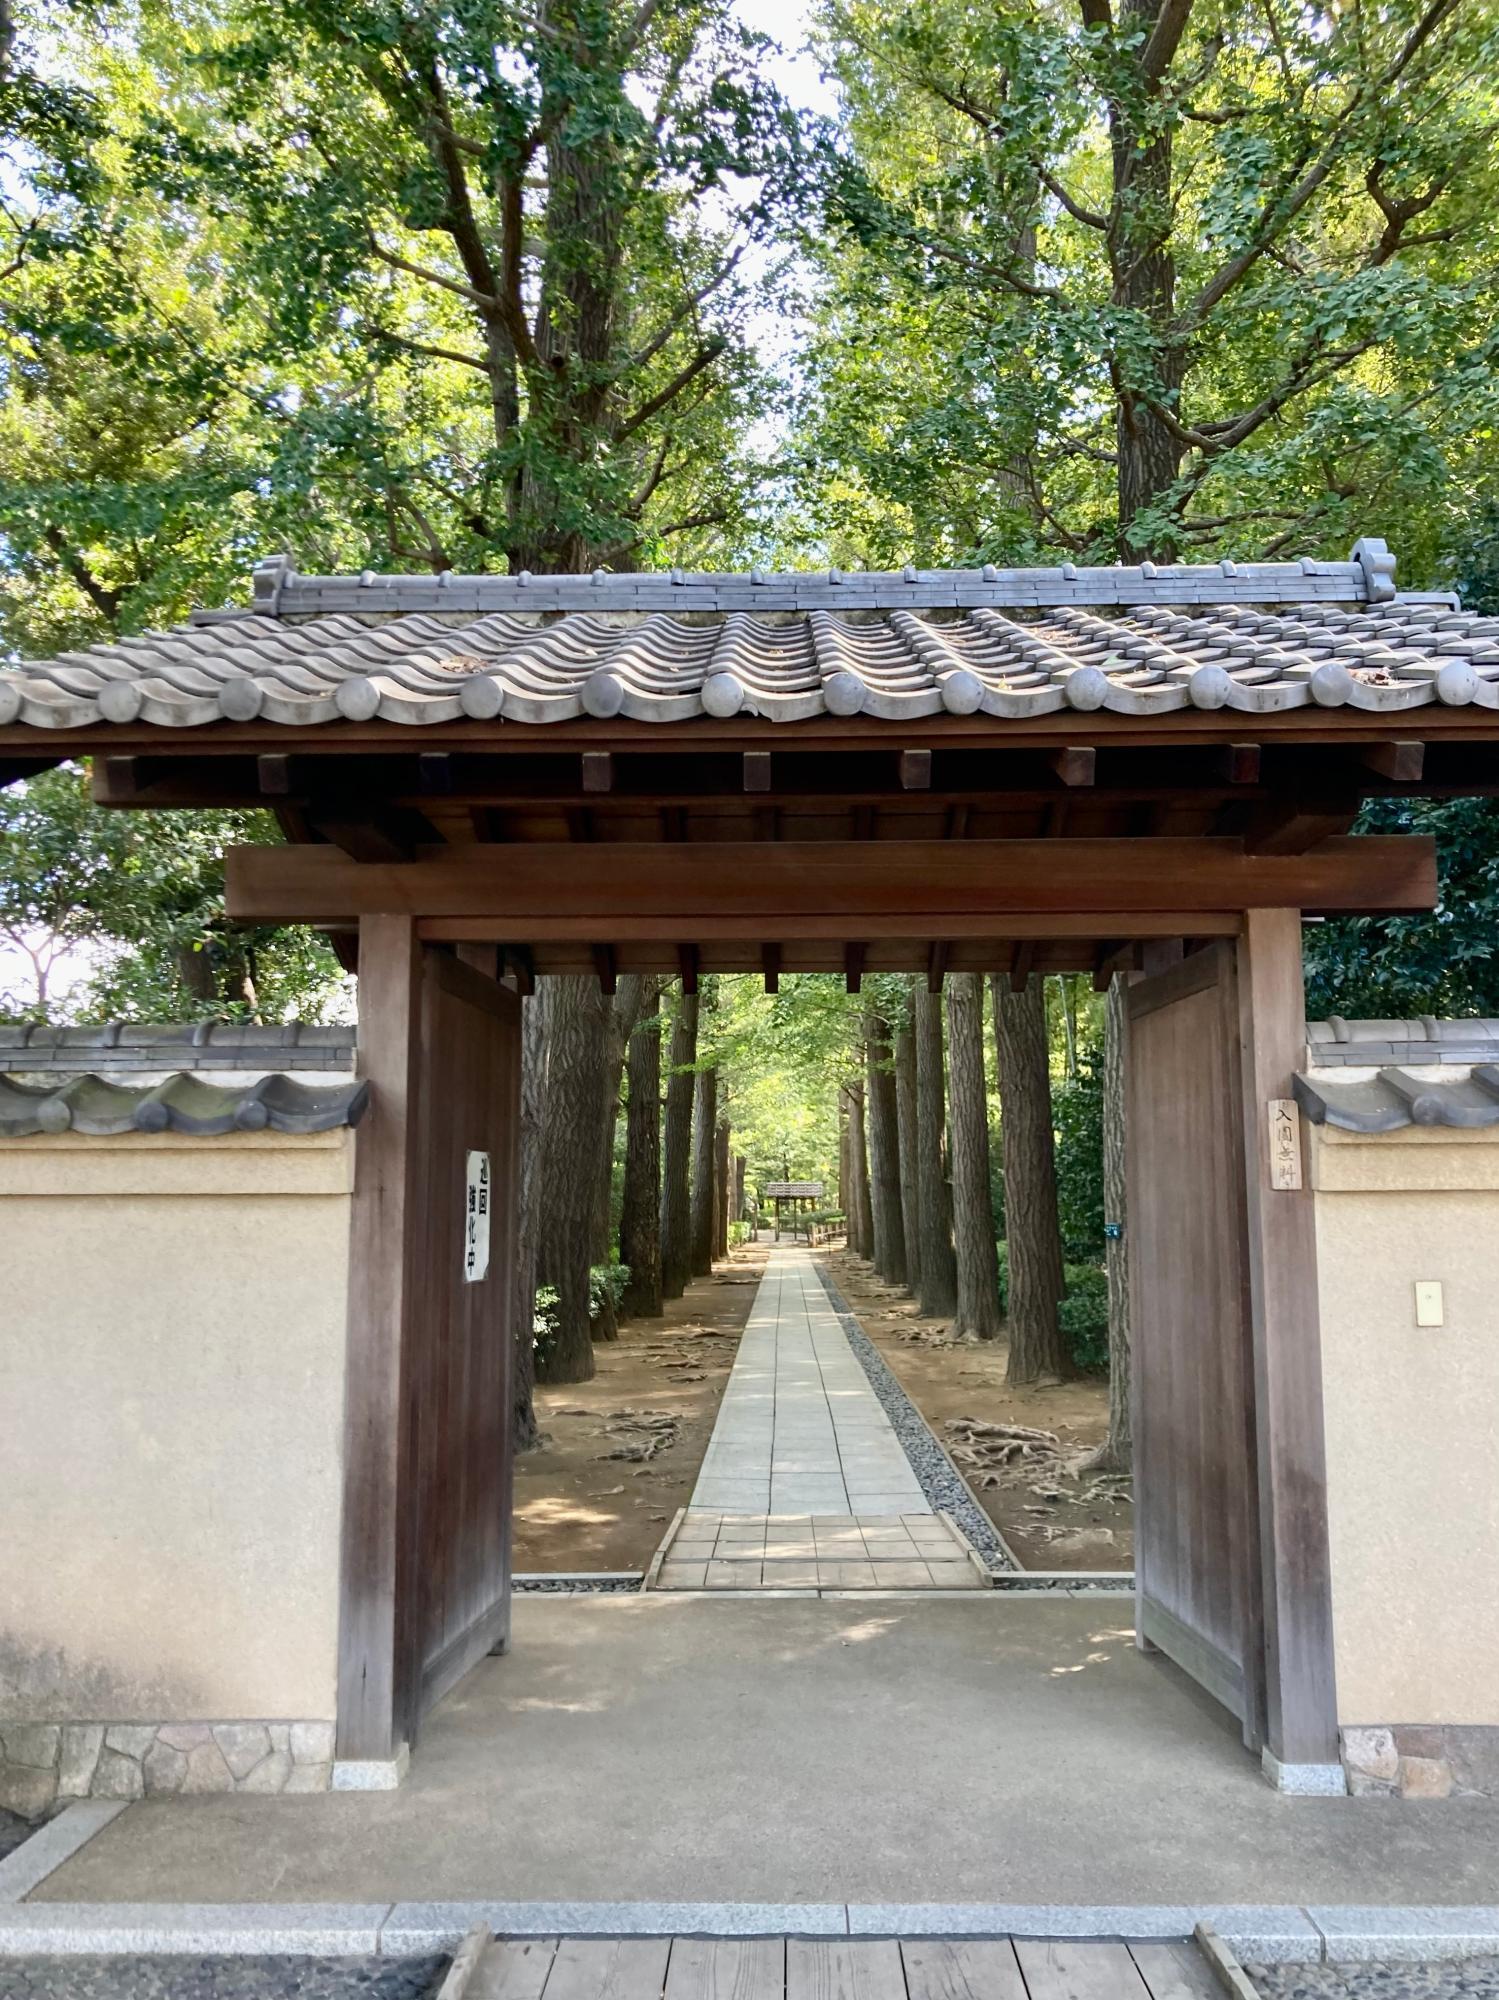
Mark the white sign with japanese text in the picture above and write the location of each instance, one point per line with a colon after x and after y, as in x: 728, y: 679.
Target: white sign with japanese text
x: 476, y: 1219
x: 1285, y: 1144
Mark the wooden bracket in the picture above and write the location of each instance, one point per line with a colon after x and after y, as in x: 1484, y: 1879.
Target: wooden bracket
x: 603, y: 965
x: 770, y: 965
x: 1112, y: 958
x: 1022, y: 958
x: 517, y: 963
x: 273, y: 775
x: 853, y: 966
x: 687, y: 967
x: 1076, y: 765
x: 598, y: 771
x: 916, y: 770
x: 1238, y: 763
x: 756, y: 770
x: 936, y: 966
x: 434, y: 772
x: 1401, y: 762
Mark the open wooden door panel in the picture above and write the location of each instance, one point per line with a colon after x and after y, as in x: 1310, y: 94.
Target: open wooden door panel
x: 1198, y: 1585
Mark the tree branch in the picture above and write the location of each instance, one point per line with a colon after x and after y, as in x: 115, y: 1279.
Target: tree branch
x: 704, y: 358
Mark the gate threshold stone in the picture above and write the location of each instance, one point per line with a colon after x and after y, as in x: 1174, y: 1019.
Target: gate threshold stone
x: 1262, y: 1933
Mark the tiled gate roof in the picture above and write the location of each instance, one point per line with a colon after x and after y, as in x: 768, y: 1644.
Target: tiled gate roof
x: 667, y: 648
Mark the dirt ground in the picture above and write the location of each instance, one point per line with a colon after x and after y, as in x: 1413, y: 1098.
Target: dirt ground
x: 578, y: 1508
x: 1051, y: 1517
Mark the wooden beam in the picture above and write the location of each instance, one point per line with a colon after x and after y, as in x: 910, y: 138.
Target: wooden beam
x: 853, y: 966
x: 1301, y: 1702
x: 273, y: 775
x: 957, y: 822
x: 859, y: 889
x: 687, y: 967
x: 936, y: 965
x: 1022, y: 957
x: 1291, y: 826
x: 770, y: 965
x: 365, y: 839
x: 1113, y: 957
x: 603, y: 965
x: 756, y: 770
x: 390, y: 969
x: 1076, y: 765
x: 1158, y: 954
x: 1400, y: 761
x: 598, y: 771
x: 434, y: 773
x: 916, y: 770
x: 345, y: 946
x: 517, y: 965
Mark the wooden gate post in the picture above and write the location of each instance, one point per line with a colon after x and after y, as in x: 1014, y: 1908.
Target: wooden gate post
x: 367, y: 1751
x: 1301, y: 1749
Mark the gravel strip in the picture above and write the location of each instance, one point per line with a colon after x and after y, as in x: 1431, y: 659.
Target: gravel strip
x: 574, y: 1586
x: 1431, y: 1979
x: 162, y: 1977
x: 935, y: 1473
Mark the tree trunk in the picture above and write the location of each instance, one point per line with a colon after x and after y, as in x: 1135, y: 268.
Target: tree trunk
x: 973, y: 1218
x: 533, y: 1114
x: 723, y: 1190
x: 937, y: 1267
x: 704, y: 1123
x: 1116, y: 1453
x: 861, y: 1215
x: 640, y: 1214
x: 1038, y: 1347
x: 1144, y: 286
x: 676, y: 1152
x: 884, y: 1152
x: 905, y: 1109
x: 577, y: 1030
x: 619, y: 1025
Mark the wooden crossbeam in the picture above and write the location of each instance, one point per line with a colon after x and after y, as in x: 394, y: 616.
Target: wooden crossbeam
x: 611, y: 890
x: 1292, y: 826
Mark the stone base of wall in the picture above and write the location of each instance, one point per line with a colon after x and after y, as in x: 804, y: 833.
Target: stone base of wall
x: 47, y: 1764
x: 1423, y: 1761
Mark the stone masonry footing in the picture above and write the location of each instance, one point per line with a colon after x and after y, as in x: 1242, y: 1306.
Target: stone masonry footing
x: 1406, y: 1760
x: 46, y: 1764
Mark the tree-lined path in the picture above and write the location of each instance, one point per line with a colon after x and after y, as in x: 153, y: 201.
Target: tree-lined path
x: 805, y: 1484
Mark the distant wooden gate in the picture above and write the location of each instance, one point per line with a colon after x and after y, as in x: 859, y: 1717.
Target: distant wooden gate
x: 1196, y: 1508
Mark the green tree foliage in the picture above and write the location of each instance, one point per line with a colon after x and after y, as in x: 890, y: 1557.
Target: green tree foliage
x: 1155, y: 275
x: 1444, y: 961
x: 140, y: 896
x: 1077, y: 1107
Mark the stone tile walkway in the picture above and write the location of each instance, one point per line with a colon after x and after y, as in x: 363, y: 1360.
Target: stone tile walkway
x: 805, y: 1485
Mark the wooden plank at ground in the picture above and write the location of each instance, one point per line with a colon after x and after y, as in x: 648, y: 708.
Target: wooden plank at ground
x: 1079, y: 1969
x: 513, y: 1969
x: 559, y: 889
x: 962, y: 1969
x: 727, y: 1969
x: 609, y: 1969
x: 844, y: 1969
x: 1174, y: 1969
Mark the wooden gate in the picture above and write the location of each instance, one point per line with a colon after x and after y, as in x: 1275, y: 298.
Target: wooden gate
x: 1196, y: 1507
x: 426, y: 1580
x: 456, y: 1597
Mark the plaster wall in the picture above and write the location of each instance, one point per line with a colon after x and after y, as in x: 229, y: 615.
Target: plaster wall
x: 171, y: 1391
x: 1412, y: 1419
